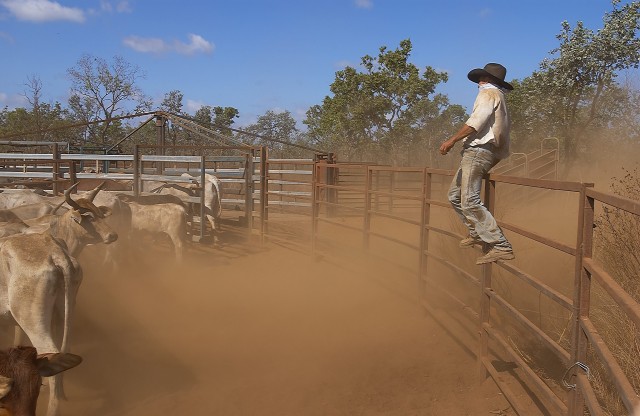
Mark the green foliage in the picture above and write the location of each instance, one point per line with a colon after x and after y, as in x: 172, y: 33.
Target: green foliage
x: 279, y: 133
x: 34, y: 122
x: 573, y: 95
x: 218, y: 119
x: 382, y: 111
x: 172, y: 102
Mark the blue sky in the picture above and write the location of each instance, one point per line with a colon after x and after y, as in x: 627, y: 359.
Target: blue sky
x: 273, y: 54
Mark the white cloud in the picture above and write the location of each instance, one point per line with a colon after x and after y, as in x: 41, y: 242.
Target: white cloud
x: 146, y: 45
x: 197, y: 44
x: 121, y: 6
x: 42, y: 11
x: 364, y: 4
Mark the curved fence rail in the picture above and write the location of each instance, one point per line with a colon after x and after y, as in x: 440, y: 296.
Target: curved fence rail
x: 413, y: 208
x: 358, y: 197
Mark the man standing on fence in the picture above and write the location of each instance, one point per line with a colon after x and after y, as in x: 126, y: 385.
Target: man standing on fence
x: 485, y: 138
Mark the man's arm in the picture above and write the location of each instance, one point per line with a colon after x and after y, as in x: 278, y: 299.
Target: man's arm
x: 461, y: 134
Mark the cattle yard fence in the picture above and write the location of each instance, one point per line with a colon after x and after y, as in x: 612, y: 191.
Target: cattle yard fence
x: 57, y: 170
x: 413, y: 209
x: 297, y: 201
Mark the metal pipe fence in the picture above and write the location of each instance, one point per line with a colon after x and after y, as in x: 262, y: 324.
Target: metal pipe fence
x: 576, y: 397
x: 322, y: 193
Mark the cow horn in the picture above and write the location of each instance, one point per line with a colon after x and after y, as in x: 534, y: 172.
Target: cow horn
x: 57, y: 207
x: 93, y: 193
x: 67, y: 197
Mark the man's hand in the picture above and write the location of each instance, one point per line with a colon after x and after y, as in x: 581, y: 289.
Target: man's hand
x: 461, y: 134
x: 446, y: 146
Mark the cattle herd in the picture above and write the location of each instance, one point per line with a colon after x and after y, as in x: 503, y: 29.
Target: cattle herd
x: 41, y: 237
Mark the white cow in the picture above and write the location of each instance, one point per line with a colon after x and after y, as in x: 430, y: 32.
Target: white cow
x: 40, y: 277
x: 212, y: 189
x: 37, y: 210
x: 166, y: 218
x: 212, y: 199
x: 20, y: 197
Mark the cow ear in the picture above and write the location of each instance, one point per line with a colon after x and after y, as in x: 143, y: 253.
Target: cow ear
x: 106, y: 211
x: 5, y: 386
x: 54, y: 363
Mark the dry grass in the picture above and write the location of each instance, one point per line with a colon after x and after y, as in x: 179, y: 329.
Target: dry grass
x: 618, y: 248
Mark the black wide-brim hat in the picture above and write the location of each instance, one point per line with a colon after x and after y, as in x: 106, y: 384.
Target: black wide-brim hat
x: 494, y: 71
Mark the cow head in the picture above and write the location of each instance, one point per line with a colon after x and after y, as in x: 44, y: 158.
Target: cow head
x: 21, y: 372
x: 85, y: 221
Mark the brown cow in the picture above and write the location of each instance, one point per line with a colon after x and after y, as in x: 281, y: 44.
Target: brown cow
x: 21, y: 372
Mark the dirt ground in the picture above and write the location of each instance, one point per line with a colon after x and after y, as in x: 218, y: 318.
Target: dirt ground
x: 248, y: 330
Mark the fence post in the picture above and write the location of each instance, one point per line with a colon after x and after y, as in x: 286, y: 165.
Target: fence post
x: 264, y: 190
x: 424, y: 233
x: 160, y: 142
x: 315, y: 198
x: 56, y: 168
x: 581, y: 293
x: 72, y: 172
x: 331, y: 193
x: 248, y: 186
x: 136, y: 172
x: 368, y: 179
x: 485, y: 286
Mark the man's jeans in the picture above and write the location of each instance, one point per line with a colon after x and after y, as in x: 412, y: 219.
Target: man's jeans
x: 464, y: 195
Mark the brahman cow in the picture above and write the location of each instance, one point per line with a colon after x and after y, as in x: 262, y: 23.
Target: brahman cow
x: 212, y: 189
x: 21, y: 372
x: 10, y: 223
x: 40, y: 277
x: 165, y: 218
x: 37, y: 210
x: 20, y: 197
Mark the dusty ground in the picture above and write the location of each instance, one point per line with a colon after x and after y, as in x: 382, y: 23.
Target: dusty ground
x: 244, y: 330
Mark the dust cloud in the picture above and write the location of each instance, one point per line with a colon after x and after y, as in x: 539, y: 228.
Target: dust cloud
x: 241, y: 329
x: 245, y: 329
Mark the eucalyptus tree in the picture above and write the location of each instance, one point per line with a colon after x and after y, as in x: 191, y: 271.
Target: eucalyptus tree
x: 278, y: 131
x: 219, y: 119
x: 172, y: 103
x: 381, y: 110
x: 574, y: 94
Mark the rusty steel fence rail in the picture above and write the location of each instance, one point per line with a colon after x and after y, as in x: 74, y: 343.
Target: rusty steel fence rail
x: 579, y: 396
x: 285, y: 192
